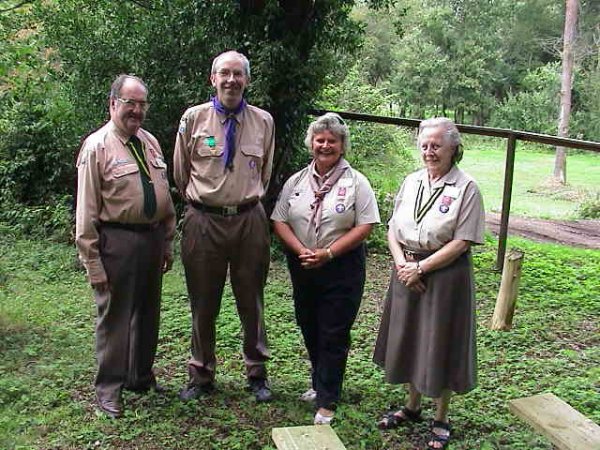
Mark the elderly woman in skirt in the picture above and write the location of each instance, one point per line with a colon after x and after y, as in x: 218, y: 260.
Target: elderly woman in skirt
x: 323, y: 215
x: 427, y: 333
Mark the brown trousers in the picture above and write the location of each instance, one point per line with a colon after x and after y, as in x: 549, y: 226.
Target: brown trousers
x: 129, y: 311
x: 210, y: 244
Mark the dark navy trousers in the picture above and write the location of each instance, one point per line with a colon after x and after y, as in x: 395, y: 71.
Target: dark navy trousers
x: 326, y: 302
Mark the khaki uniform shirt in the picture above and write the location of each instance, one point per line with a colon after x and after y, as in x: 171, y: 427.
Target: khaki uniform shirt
x: 426, y: 217
x: 109, y: 189
x: 350, y: 202
x: 199, y: 168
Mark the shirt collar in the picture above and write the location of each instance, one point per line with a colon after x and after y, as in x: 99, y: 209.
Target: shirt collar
x: 122, y: 137
x: 222, y: 117
x: 450, y: 178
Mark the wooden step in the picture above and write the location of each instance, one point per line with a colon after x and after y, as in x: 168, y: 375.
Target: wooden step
x: 563, y: 425
x: 312, y: 437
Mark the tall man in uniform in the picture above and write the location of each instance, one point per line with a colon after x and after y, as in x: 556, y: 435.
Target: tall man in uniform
x: 222, y: 165
x: 125, y: 223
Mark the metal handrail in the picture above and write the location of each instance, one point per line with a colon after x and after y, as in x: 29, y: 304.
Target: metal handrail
x: 511, y: 135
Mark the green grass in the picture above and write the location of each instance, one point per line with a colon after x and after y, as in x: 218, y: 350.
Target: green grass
x: 47, y: 360
x: 534, y: 194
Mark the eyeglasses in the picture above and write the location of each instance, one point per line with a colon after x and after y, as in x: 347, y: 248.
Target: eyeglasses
x: 226, y: 73
x: 144, y: 106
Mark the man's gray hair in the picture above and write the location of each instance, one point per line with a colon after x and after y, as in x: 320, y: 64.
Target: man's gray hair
x: 240, y: 56
x: 117, y: 85
x: 331, y: 122
x: 451, y: 134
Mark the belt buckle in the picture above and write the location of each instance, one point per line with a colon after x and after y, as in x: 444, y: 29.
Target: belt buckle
x: 230, y: 210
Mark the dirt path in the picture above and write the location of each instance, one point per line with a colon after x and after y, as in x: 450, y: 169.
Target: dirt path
x: 577, y: 233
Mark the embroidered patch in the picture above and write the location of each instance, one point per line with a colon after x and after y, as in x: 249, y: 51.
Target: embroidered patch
x: 252, y: 164
x: 210, y: 141
x: 341, y: 192
x: 444, y: 209
x: 446, y: 200
x: 182, y: 126
x: 340, y: 208
x: 121, y: 162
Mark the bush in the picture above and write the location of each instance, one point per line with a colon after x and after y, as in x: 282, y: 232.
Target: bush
x: 53, y: 220
x: 589, y: 208
x: 535, y: 108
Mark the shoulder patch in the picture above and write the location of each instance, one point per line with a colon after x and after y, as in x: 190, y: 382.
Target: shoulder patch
x: 182, y: 125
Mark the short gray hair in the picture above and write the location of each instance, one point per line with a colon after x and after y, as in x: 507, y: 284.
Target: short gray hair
x: 451, y: 134
x: 240, y: 56
x: 331, y: 122
x: 117, y: 85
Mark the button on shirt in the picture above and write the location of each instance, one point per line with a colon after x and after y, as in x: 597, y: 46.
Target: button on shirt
x: 350, y: 202
x: 199, y: 166
x: 427, y: 216
x: 110, y: 190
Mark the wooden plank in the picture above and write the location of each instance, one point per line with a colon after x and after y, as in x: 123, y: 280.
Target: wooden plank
x: 566, y: 427
x: 312, y: 437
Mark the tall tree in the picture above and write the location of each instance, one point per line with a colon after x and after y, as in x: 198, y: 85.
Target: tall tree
x: 291, y: 44
x: 566, y: 86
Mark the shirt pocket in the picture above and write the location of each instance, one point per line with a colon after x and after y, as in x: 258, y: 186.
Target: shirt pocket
x: 159, y: 168
x: 253, y: 159
x: 207, y: 156
x: 123, y: 179
x: 121, y: 171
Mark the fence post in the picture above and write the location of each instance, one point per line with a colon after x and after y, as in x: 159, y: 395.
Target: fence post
x: 509, y: 290
x: 506, y: 197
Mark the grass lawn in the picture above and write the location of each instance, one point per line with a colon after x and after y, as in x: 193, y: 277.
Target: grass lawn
x: 533, y: 194
x: 47, y: 360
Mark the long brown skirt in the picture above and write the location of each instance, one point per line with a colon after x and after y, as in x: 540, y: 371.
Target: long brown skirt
x: 428, y: 340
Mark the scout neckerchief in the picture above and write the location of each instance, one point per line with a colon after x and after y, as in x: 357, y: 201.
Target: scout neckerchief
x: 328, y: 181
x: 137, y: 149
x: 230, y: 125
x: 422, y: 209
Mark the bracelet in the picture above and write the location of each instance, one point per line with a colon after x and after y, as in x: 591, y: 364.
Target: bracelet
x: 419, y: 270
x: 329, y: 253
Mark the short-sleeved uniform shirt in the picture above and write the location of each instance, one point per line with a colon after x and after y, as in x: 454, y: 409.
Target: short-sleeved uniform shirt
x: 427, y: 216
x: 109, y: 189
x: 350, y: 202
x: 199, y: 166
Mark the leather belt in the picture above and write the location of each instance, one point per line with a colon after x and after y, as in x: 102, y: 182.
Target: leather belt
x: 225, y: 210
x: 416, y: 256
x: 139, y: 227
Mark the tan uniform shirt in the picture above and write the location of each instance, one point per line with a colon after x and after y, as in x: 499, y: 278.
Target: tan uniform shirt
x: 426, y: 217
x: 199, y: 168
x: 109, y: 189
x: 350, y: 202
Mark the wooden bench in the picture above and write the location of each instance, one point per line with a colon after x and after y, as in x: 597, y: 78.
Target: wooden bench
x: 563, y: 425
x: 312, y: 437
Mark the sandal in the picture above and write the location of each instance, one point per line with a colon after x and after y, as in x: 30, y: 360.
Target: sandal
x: 442, y: 439
x: 395, y: 418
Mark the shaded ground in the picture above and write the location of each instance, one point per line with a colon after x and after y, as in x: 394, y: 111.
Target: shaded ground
x: 577, y: 233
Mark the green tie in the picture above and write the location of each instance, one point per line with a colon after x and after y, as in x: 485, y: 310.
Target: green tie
x: 149, y: 195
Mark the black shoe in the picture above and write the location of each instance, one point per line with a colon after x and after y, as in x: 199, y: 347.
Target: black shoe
x: 194, y: 391
x: 111, y: 408
x: 261, y: 390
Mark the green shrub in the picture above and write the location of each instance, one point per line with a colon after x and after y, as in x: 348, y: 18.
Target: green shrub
x: 52, y: 220
x: 535, y: 108
x: 589, y: 208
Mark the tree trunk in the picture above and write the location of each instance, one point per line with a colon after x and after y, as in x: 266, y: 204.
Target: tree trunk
x: 560, y: 161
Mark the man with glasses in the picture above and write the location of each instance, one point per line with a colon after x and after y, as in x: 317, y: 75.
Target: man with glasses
x: 222, y: 166
x: 125, y: 224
